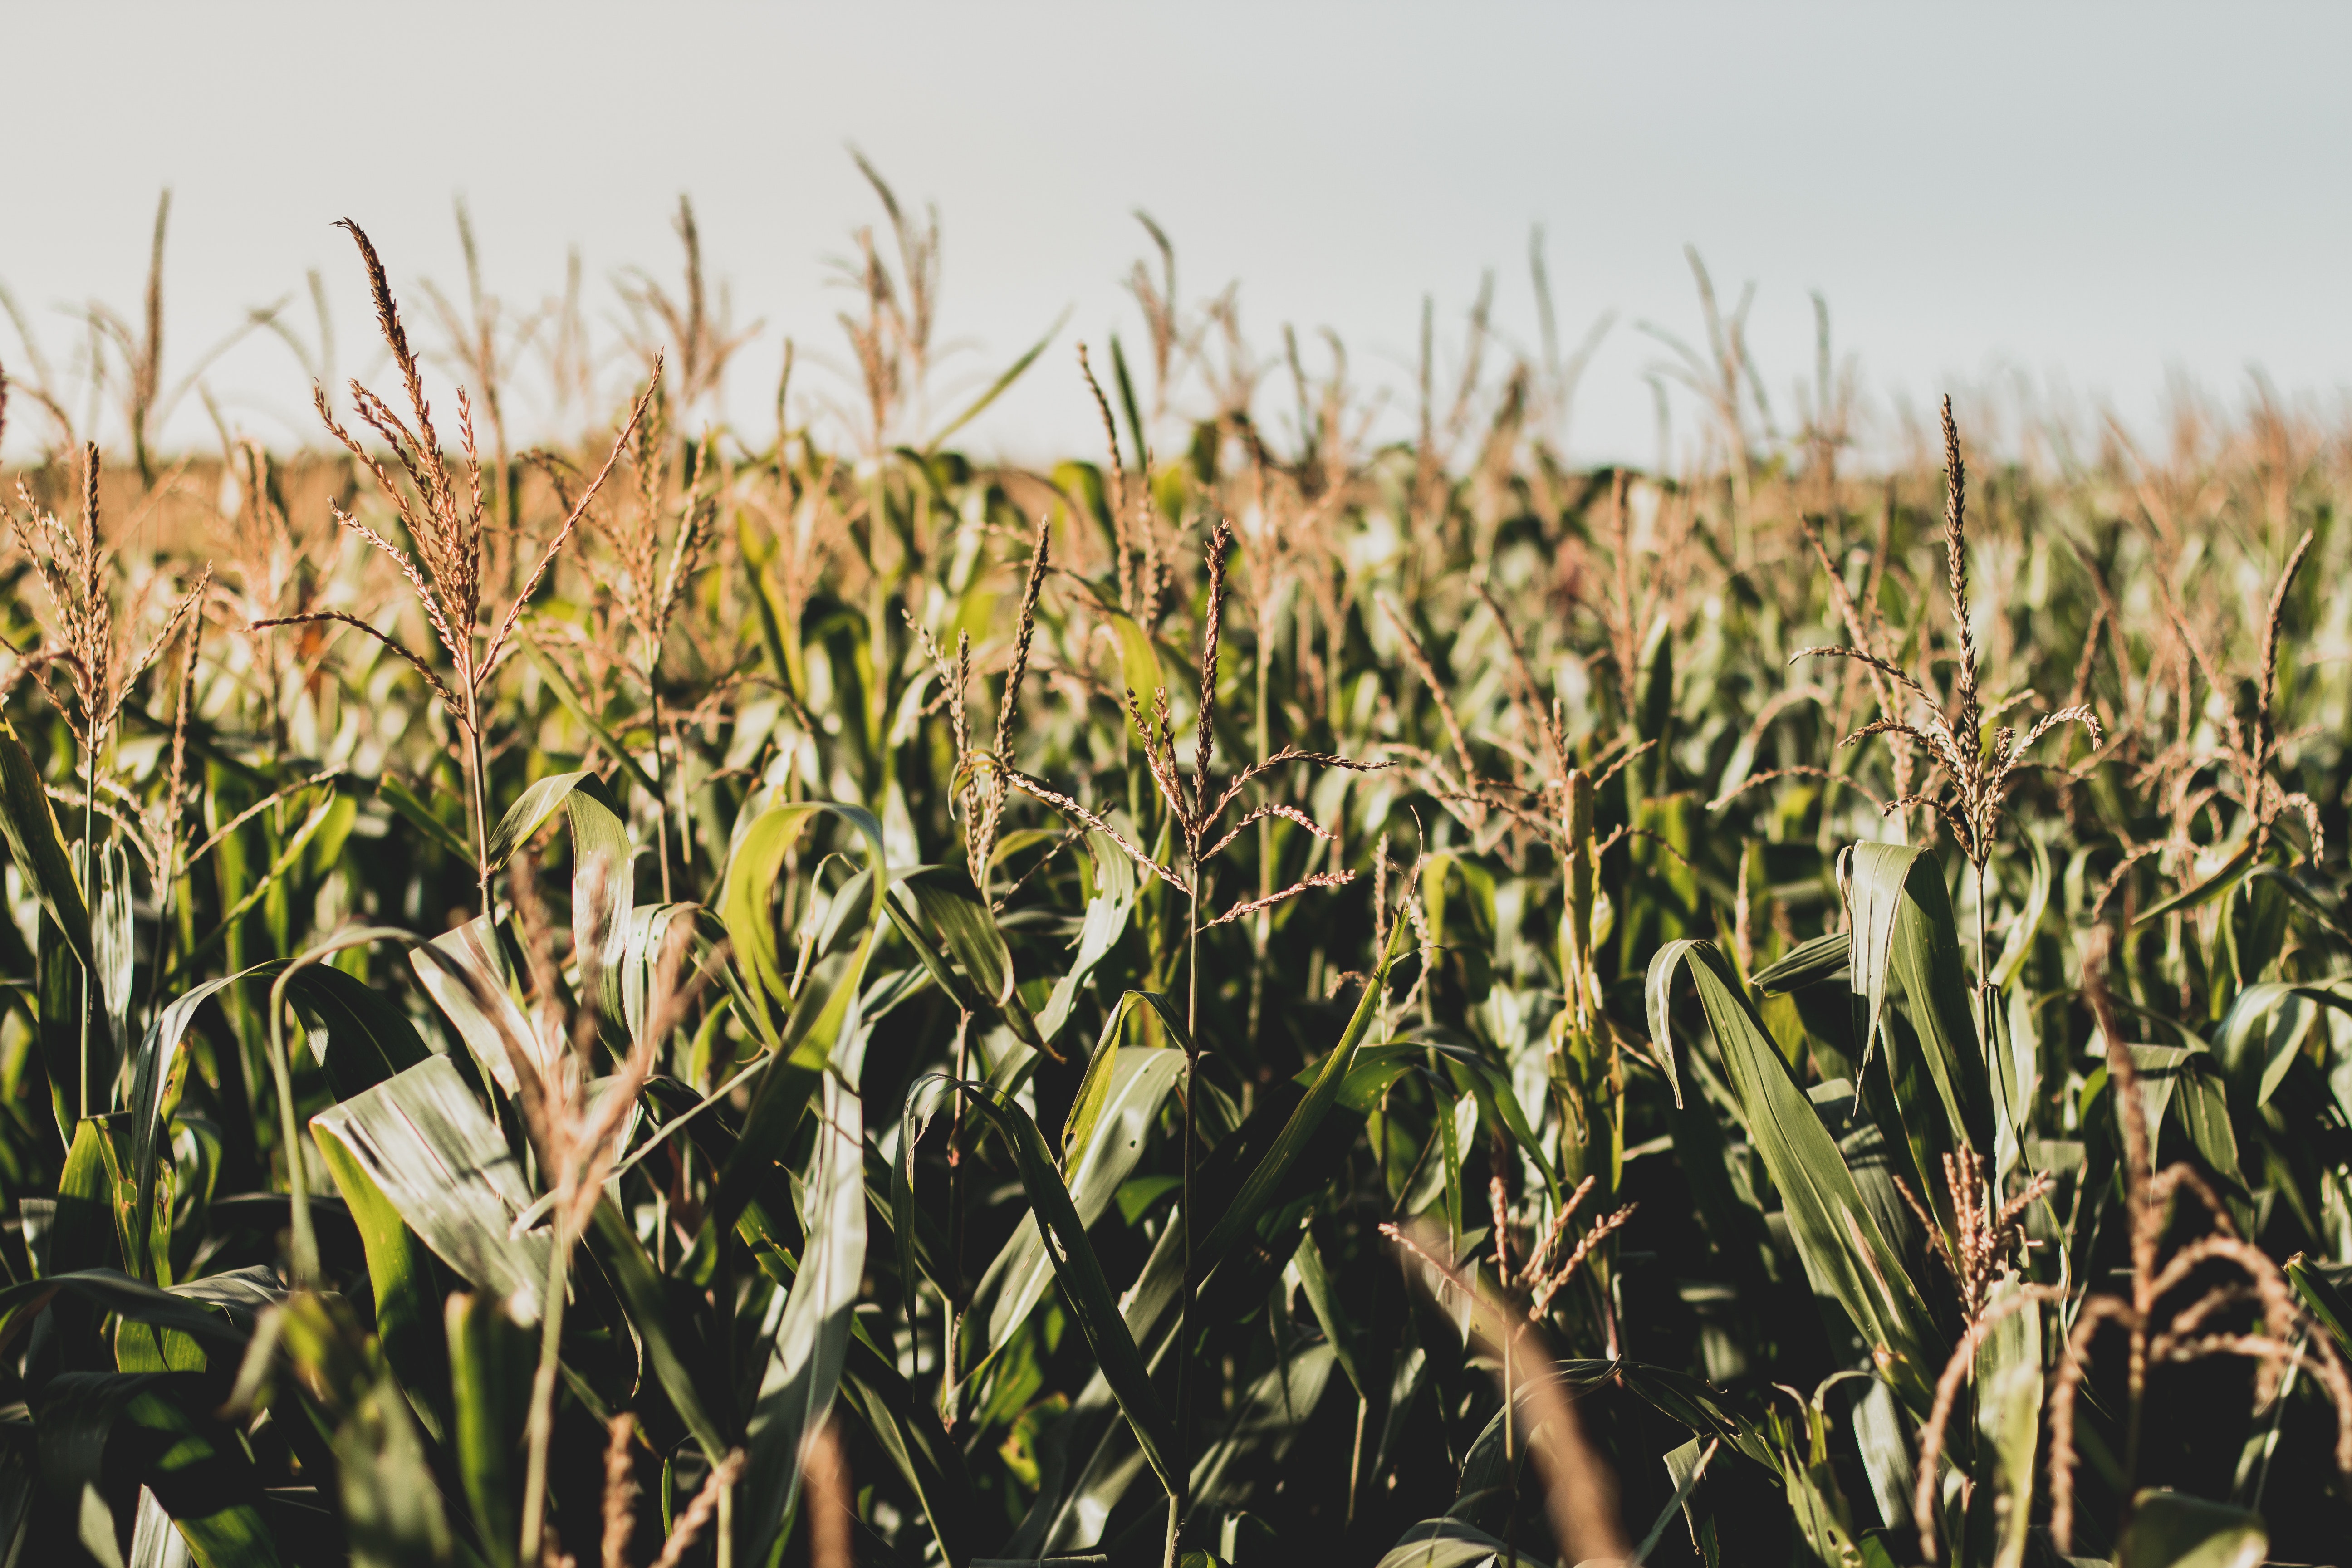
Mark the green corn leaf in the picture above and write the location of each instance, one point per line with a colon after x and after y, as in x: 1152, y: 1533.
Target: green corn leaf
x: 466, y: 974
x: 530, y: 812
x: 573, y: 704
x: 356, y: 1033
x: 1259, y: 1189
x: 112, y: 937
x: 1094, y: 1089
x: 1097, y: 1163
x: 1499, y: 1104
x: 2174, y: 1529
x: 809, y: 1338
x: 1108, y: 915
x: 1904, y: 928
x: 2019, y: 944
x: 1815, y: 963
x: 908, y: 1431
x: 1452, y: 1543
x: 1139, y: 657
x: 1845, y: 1255
x: 491, y: 1358
x: 604, y: 876
x: 407, y: 1297
x: 84, y: 1235
x: 1251, y: 1454
x: 426, y: 1144
x: 2324, y: 1297
x: 59, y: 1015
x: 288, y: 858
x: 996, y: 388
x: 2263, y: 1031
x: 1079, y: 1270
x: 395, y: 794
x: 2223, y: 880
x: 642, y: 1295
x: 38, y: 847
x: 147, y: 1082
x: 143, y: 1219
x: 818, y: 1023
x: 392, y: 1510
x: 2009, y: 1409
x: 968, y: 927
x: 642, y: 945
x: 216, y: 1316
x: 964, y: 922
x: 748, y: 896
x: 154, y: 1430
x: 784, y: 658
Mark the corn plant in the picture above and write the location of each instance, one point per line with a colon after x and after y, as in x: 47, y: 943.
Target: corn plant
x: 801, y: 997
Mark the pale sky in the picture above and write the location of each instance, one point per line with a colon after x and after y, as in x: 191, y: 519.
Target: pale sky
x: 2091, y: 197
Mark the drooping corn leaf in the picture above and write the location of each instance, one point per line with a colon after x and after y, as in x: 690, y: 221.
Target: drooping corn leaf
x: 963, y: 920
x: 1248, y: 1457
x: 1451, y: 1543
x: 1077, y: 1269
x: 2223, y: 879
x: 426, y: 1144
x: 466, y: 974
x: 491, y: 1358
x: 908, y: 1431
x: 649, y: 1312
x: 1844, y: 1253
x: 530, y: 812
x: 967, y: 928
x: 1258, y: 1191
x: 1904, y: 928
x: 816, y: 1023
x: 1107, y: 913
x: 158, y: 1430
x: 38, y: 847
x: 356, y: 1035
x: 147, y: 1083
x: 808, y: 1337
x: 2175, y: 1529
x: 407, y: 1294
x: 1817, y: 961
x: 1101, y: 1159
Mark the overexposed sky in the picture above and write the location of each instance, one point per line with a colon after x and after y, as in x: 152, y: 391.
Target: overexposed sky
x: 2090, y: 197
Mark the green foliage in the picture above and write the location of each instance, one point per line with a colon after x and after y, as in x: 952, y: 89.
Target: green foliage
x: 748, y: 1096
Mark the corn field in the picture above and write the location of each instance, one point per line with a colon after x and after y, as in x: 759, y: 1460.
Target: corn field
x: 704, y: 995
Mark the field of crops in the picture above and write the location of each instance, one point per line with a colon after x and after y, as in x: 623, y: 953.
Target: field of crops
x: 733, y: 995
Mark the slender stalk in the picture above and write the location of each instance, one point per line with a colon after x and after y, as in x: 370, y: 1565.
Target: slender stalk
x: 88, y: 903
x: 1264, y: 924
x: 955, y: 1305
x: 674, y: 783
x: 1984, y: 952
x: 1984, y: 978
x: 1181, y: 1499
x: 541, y: 1424
x: 302, y: 1245
x: 661, y: 785
x: 477, y: 788
x: 1356, y: 1454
